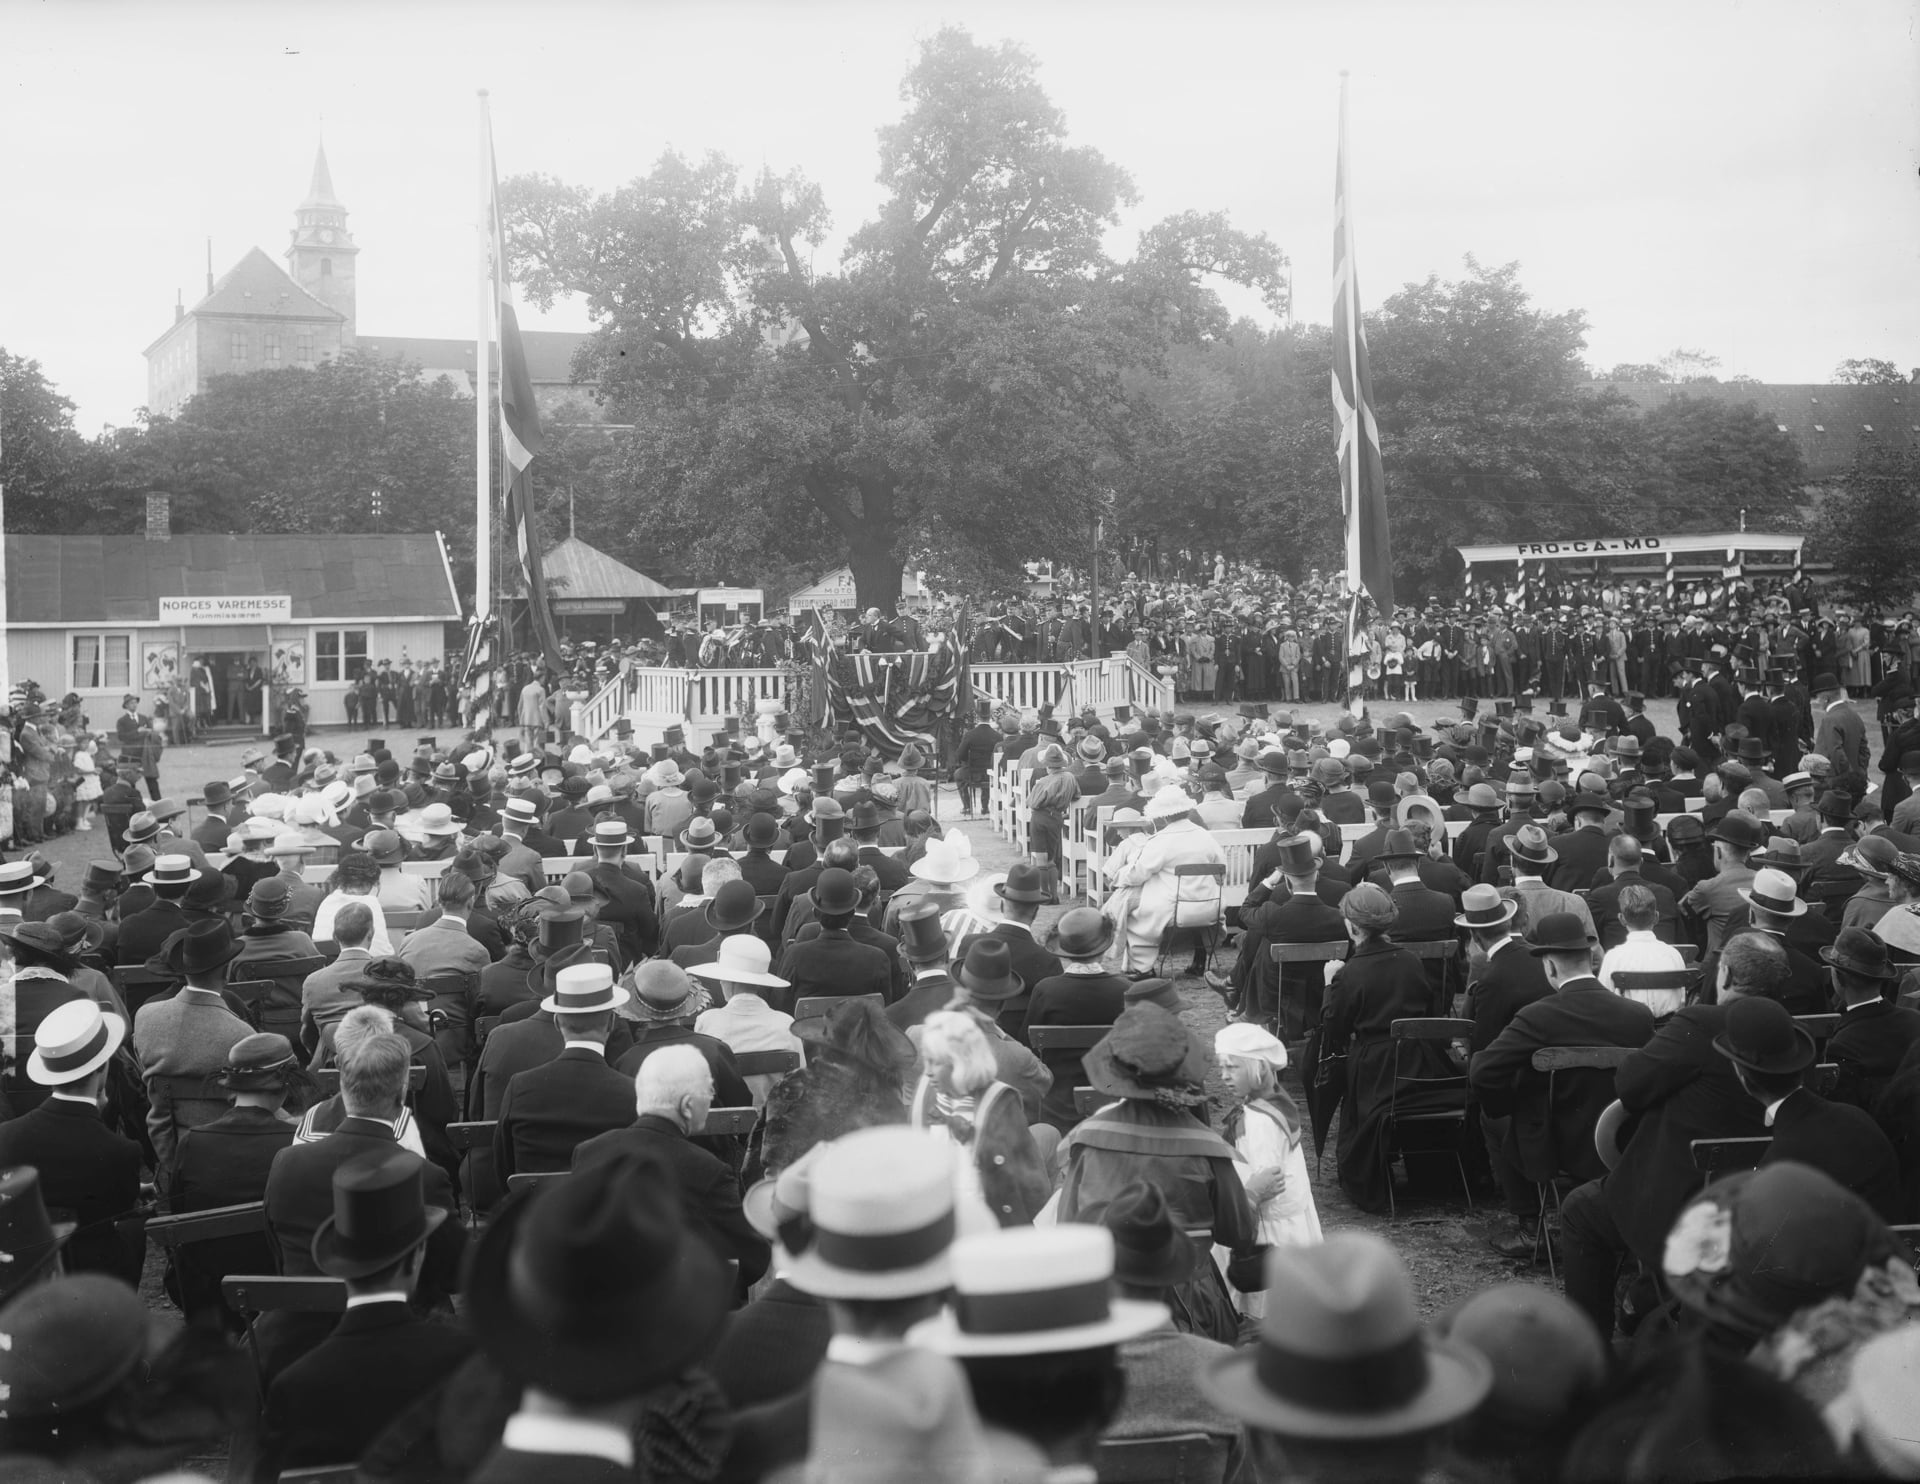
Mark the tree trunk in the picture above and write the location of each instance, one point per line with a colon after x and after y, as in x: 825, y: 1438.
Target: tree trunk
x: 876, y: 571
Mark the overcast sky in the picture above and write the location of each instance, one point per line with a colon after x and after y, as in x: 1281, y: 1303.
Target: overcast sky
x: 1734, y: 177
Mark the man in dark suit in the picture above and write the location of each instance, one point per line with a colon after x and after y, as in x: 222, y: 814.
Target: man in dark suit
x: 1624, y: 862
x: 927, y: 952
x: 673, y: 1090
x: 1582, y: 850
x: 667, y: 1002
x: 1083, y: 993
x: 758, y: 866
x: 1675, y: 1089
x: 1422, y: 915
x: 1021, y: 895
x: 550, y: 1110
x: 1839, y: 732
x: 85, y: 1168
x: 1504, y: 976
x: 1285, y: 907
x: 329, y: 1405
x: 1549, y: 1121
x: 1769, y: 1054
x: 863, y: 827
x: 1874, y: 1034
x: 862, y: 930
x: 143, y: 933
x: 1258, y: 813
x: 837, y: 853
x: 833, y: 963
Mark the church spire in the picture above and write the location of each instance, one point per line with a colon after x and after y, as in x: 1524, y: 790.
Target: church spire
x: 320, y: 192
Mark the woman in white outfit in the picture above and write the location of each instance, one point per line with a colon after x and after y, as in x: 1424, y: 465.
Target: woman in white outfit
x: 1265, y: 1128
x: 1147, y: 893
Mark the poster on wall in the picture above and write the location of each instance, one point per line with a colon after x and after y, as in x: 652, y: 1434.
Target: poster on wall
x: 159, y: 664
x: 289, y: 663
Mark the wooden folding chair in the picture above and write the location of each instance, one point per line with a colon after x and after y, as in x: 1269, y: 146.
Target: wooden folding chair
x: 264, y: 1293
x: 322, y: 1473
x: 1189, y: 909
x: 271, y: 989
x: 467, y: 1137
x: 138, y: 984
x: 1820, y: 1027
x: 1425, y: 1029
x: 1283, y: 954
x: 1178, y: 1458
x: 1716, y: 1157
x: 1443, y: 951
x: 808, y: 1006
x: 766, y: 1063
x: 1558, y: 1062
x: 518, y: 1183
x: 730, y: 1122
x: 184, y: 1229
x: 1067, y: 1038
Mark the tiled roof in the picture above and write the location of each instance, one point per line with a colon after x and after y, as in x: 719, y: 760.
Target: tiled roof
x: 1827, y: 420
x: 577, y: 570
x: 120, y: 579
x: 258, y: 288
x: 549, y: 353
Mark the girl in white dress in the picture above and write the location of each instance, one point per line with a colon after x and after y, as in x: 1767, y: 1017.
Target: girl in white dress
x: 1266, y: 1129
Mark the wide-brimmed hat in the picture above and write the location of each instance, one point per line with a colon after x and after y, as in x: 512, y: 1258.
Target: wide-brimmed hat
x: 1483, y: 907
x: 1026, y: 882
x: 1341, y: 1351
x: 987, y: 973
x: 1782, y: 851
x: 79, y: 934
x: 878, y: 1218
x: 857, y: 1030
x: 73, y: 1041
x: 1081, y: 934
x: 1858, y: 952
x: 594, y: 1288
x: 734, y: 906
x: 700, y: 834
x: 741, y: 959
x: 1763, y: 1037
x: 1028, y: 1290
x: 19, y: 877
x: 1756, y: 1247
x: 1148, y: 1055
x: 42, y: 938
x: 1398, y: 846
x: 946, y: 860
x: 583, y: 989
x: 259, y: 1062
x: 1529, y: 843
x: 437, y: 819
x: 205, y: 946
x: 166, y: 809
x: 380, y: 1214
x: 385, y: 846
x: 1773, y: 891
x: 1547, y: 1357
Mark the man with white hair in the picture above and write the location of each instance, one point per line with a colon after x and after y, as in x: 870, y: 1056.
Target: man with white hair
x: 672, y: 1091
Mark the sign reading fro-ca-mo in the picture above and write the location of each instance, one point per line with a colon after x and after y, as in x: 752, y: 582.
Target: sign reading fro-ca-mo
x: 1599, y: 546
x: 260, y: 608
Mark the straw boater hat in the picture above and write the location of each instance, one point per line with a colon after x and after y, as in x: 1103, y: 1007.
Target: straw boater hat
x: 1341, y: 1352
x: 879, y: 1217
x: 1035, y: 1290
x: 583, y: 989
x: 74, y: 1041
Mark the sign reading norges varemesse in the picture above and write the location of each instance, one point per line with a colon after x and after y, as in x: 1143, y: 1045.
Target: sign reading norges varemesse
x: 256, y: 608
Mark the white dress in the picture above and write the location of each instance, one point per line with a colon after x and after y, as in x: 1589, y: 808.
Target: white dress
x: 1290, y: 1218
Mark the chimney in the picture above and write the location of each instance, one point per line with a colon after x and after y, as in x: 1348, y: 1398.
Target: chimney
x: 209, y: 265
x: 159, y: 517
x: 179, y: 308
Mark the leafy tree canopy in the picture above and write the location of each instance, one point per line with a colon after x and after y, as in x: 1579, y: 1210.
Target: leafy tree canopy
x: 952, y: 396
x: 1869, y: 372
x: 1870, y: 527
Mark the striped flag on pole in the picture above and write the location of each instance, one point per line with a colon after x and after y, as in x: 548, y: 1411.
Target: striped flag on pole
x: 477, y: 676
x: 1363, y: 482
x: 520, y: 437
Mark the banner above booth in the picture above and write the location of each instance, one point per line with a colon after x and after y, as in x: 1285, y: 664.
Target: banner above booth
x: 1588, y: 548
x: 255, y: 608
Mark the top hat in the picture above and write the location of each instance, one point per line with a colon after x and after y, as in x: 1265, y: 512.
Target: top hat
x: 1296, y: 856
x: 987, y: 973
x: 594, y: 1288
x: 1762, y: 1037
x: 1026, y: 882
x: 1081, y: 935
x: 923, y: 939
x: 878, y: 1217
x: 584, y: 989
x: 1825, y: 681
x: 561, y: 929
x: 1036, y: 1291
x: 1557, y: 932
x: 1341, y: 1352
x: 380, y: 1214
x: 823, y: 776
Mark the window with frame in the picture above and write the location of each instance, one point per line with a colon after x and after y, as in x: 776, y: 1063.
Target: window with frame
x: 102, y: 661
x: 237, y: 345
x: 304, y: 347
x: 339, y: 654
x: 270, y: 347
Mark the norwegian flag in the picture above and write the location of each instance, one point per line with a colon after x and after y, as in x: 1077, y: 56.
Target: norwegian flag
x: 1363, y: 480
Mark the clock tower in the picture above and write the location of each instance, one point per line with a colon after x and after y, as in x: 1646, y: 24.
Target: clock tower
x: 320, y: 256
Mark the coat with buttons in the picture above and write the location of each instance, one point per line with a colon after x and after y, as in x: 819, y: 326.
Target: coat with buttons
x: 1013, y: 1177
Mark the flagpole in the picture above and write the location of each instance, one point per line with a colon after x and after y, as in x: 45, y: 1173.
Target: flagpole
x: 1350, y: 475
x: 483, y: 384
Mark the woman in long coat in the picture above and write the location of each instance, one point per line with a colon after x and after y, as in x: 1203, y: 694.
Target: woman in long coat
x: 1147, y: 893
x: 1379, y: 984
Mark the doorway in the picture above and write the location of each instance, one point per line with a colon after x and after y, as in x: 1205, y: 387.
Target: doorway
x: 236, y: 698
